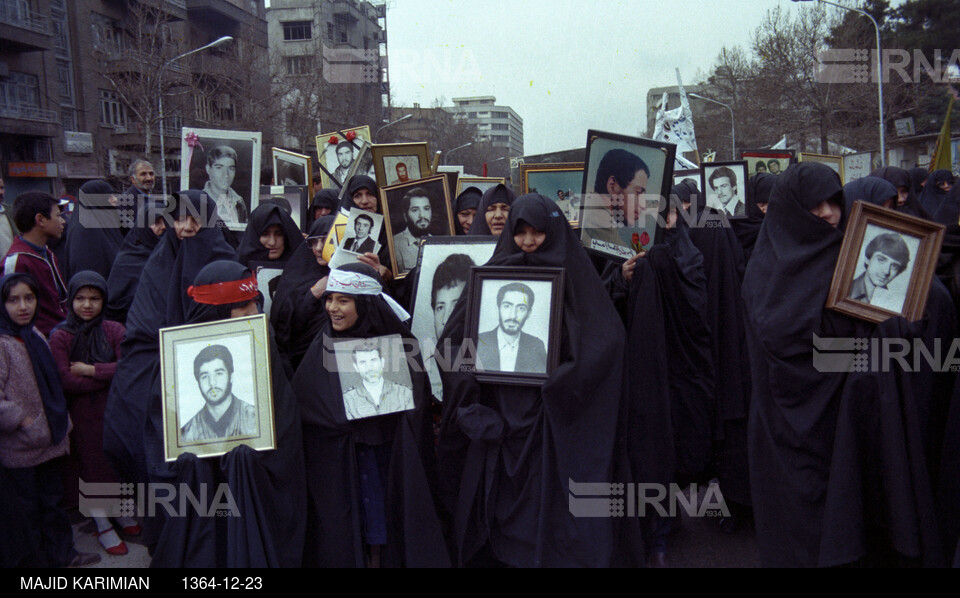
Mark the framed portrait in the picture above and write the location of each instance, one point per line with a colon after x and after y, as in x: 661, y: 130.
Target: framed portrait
x: 689, y: 173
x: 445, y: 264
x: 414, y: 211
x: 618, y: 218
x: 226, y: 166
x: 834, y: 162
x: 217, y: 391
x: 294, y: 199
x: 374, y: 376
x: 513, y: 319
x: 360, y: 234
x: 291, y: 169
x: 452, y: 177
x: 857, y: 166
x: 560, y: 182
x: 400, y: 162
x: 480, y: 182
x: 768, y: 160
x: 336, y: 153
x: 725, y: 184
x: 885, y: 266
x: 268, y: 277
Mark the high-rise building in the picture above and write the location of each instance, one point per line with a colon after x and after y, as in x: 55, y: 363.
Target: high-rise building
x: 500, y: 125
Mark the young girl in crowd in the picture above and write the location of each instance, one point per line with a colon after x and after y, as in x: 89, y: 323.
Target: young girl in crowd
x: 33, y: 431
x: 86, y: 348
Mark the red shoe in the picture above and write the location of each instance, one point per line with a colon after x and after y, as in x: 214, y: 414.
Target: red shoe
x: 116, y: 550
x: 132, y: 529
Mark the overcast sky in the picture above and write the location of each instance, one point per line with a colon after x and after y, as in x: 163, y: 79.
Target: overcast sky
x: 565, y: 66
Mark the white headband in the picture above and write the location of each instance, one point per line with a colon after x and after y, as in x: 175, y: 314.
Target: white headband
x: 354, y: 283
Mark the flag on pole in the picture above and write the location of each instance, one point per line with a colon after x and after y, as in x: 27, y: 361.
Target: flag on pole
x: 942, y: 160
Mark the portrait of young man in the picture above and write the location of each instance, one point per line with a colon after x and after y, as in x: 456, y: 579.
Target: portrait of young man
x: 507, y: 348
x: 447, y: 286
x: 375, y: 395
x: 725, y: 192
x: 222, y: 170
x: 223, y: 414
x: 361, y: 241
x: 885, y: 258
x: 345, y: 155
x: 417, y: 210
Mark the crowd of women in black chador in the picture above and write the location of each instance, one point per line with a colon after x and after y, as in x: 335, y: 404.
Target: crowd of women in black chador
x: 689, y: 363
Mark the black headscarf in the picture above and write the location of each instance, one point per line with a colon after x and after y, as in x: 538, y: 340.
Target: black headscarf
x: 94, y: 236
x: 265, y: 216
x: 402, y: 442
x: 932, y: 195
x: 868, y: 189
x: 747, y: 229
x: 44, y: 366
x: 90, y: 343
x: 508, y: 452
x: 268, y: 486
x: 161, y: 300
x: 324, y: 198
x: 357, y: 182
x: 469, y: 199
x: 949, y: 211
x: 918, y: 177
x: 899, y: 177
x: 128, y: 265
x: 793, y: 410
x: 499, y: 193
x: 297, y: 316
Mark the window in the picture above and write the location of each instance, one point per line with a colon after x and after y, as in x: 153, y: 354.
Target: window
x: 501, y: 115
x: 201, y: 105
x: 296, y: 30
x: 299, y: 65
x: 501, y: 127
x: 112, y: 111
x: 19, y: 91
x: 64, y: 84
x: 108, y: 36
x: 471, y: 115
x: 68, y: 118
x: 330, y: 31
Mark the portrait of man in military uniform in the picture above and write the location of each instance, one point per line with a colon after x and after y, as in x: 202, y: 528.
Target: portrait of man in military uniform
x: 375, y: 394
x: 223, y: 414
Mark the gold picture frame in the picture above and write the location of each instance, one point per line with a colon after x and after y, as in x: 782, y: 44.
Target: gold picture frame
x: 397, y: 163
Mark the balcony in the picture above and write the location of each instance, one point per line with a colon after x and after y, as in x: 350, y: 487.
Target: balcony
x: 29, y: 113
x: 28, y: 120
x: 24, y: 30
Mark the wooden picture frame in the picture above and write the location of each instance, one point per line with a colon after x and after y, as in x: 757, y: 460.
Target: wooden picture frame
x: 535, y: 359
x: 550, y: 180
x: 207, y: 154
x: 739, y: 187
x: 445, y: 261
x: 298, y: 168
x: 868, y: 287
x: 480, y: 182
x: 834, y: 162
x: 404, y: 249
x: 618, y: 228
x: 783, y: 159
x: 185, y: 350
x: 331, y: 168
x: 297, y: 196
x: 397, y: 163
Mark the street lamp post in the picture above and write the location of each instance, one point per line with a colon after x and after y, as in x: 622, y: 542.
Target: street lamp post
x: 468, y: 144
x: 377, y: 134
x: 733, y: 127
x: 163, y: 156
x: 876, y: 28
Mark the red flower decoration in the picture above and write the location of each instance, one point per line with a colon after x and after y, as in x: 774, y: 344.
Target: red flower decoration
x: 635, y: 238
x: 351, y: 135
x: 644, y: 238
x: 333, y: 140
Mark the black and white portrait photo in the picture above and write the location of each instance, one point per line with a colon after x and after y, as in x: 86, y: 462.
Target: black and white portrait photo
x: 226, y: 166
x: 338, y: 153
x: 725, y: 184
x: 624, y: 181
x: 290, y: 168
x: 374, y: 376
x: 414, y: 212
x: 216, y: 387
x: 514, y: 327
x: 884, y: 268
x: 360, y: 236
x: 293, y: 199
x: 444, y: 271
